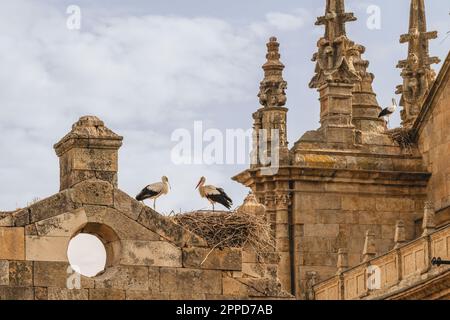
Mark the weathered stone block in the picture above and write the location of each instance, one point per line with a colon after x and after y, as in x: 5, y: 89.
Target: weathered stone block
x: 124, y: 277
x: 40, y: 293
x: 12, y: 243
x: 226, y: 259
x: 154, y: 279
x: 146, y: 295
x: 30, y: 230
x: 187, y: 296
x: 124, y: 227
x: 191, y: 280
x: 94, y: 159
x: 4, y: 273
x: 67, y: 294
x: 21, y: 218
x: 358, y: 203
x: 94, y: 192
x: 395, y: 205
x: 127, y: 205
x: 20, y: 273
x: 46, y: 248
x: 254, y: 270
x: 151, y: 253
x: 51, y: 274
x: 263, y: 287
x: 16, y: 293
x: 106, y: 294
x: 321, y: 230
x: 53, y: 206
x: 63, y: 225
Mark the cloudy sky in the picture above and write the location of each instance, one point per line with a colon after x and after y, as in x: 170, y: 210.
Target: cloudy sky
x: 148, y: 68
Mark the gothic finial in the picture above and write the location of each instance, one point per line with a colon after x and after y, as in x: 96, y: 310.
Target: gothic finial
x: 252, y: 206
x: 369, y: 251
x: 334, y: 19
x: 400, y: 236
x: 332, y: 64
x: 342, y: 261
x: 428, y: 224
x: 417, y: 73
x: 272, y: 89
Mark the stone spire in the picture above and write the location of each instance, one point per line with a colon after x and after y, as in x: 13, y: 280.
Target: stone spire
x: 400, y: 234
x: 272, y: 89
x: 428, y: 223
x: 369, y: 251
x: 417, y: 73
x: 342, y: 260
x: 332, y: 64
x: 273, y: 114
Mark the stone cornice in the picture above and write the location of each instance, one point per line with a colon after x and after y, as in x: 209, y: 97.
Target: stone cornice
x: 298, y: 173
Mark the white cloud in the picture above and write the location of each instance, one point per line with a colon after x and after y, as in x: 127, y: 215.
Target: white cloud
x: 144, y: 76
x: 282, y: 21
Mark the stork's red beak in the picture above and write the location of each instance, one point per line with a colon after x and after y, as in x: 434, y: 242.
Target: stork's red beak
x: 198, y: 184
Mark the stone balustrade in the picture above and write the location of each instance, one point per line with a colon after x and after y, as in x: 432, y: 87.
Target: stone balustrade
x: 388, y: 274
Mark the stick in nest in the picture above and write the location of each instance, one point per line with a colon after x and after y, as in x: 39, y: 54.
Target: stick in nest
x: 403, y: 137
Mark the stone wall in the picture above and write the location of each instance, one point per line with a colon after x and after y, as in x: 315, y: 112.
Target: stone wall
x: 334, y: 209
x: 148, y: 257
x: 434, y: 143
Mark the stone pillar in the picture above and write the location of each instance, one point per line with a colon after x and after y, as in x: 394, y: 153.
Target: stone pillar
x: 428, y: 224
x: 89, y: 151
x: 369, y: 251
x: 400, y: 234
x: 336, y: 113
x: 282, y: 237
x: 342, y: 261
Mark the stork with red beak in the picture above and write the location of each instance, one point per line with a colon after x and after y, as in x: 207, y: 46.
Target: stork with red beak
x: 214, y: 194
x: 154, y: 191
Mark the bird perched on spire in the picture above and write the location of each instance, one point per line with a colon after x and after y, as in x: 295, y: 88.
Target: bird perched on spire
x: 214, y: 194
x: 387, y: 112
x: 154, y: 191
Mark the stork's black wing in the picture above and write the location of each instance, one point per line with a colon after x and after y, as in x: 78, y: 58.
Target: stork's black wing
x: 146, y: 193
x: 384, y: 113
x: 221, y: 198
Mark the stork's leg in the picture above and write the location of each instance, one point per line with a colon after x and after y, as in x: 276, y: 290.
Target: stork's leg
x: 213, y: 206
x: 154, y: 204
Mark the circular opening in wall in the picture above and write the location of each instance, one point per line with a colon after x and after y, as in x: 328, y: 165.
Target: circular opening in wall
x: 87, y: 254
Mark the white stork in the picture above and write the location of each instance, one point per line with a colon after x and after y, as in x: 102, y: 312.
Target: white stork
x: 214, y: 194
x: 154, y: 191
x: 387, y: 112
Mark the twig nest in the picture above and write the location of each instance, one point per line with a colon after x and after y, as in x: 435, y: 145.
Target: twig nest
x: 252, y: 206
x: 229, y: 230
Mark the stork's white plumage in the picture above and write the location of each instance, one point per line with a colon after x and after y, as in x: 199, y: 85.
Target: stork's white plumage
x: 387, y: 112
x: 154, y: 191
x: 214, y: 194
